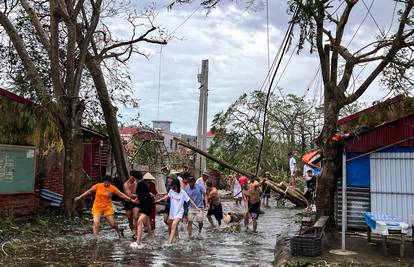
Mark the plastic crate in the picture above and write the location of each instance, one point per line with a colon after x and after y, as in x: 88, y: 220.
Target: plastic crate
x: 306, y: 245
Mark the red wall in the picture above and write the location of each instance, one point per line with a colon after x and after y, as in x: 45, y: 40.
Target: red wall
x: 19, y: 204
x: 384, y: 135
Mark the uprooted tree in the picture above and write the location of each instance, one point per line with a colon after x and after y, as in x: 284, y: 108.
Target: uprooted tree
x: 318, y: 23
x: 74, y: 40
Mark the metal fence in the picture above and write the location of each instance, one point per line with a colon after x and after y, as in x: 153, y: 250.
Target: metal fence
x: 392, y: 184
x: 358, y: 202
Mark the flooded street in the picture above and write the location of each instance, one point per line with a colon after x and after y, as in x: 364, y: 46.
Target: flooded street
x: 218, y: 247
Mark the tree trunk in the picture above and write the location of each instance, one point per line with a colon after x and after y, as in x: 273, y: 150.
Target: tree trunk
x: 71, y: 133
x: 111, y: 121
x: 330, y: 160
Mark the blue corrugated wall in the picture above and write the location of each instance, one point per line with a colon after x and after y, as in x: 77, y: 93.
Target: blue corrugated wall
x: 358, y: 170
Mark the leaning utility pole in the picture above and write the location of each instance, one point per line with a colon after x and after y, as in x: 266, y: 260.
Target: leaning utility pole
x: 202, y: 117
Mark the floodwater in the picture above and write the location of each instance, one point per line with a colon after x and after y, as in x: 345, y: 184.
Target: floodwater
x: 217, y: 247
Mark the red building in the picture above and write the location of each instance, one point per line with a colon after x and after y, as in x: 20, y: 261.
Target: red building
x: 379, y: 161
x: 49, y: 164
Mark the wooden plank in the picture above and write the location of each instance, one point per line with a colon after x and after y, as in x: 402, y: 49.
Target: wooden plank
x: 321, y: 222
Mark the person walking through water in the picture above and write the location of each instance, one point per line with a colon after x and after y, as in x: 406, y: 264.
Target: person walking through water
x: 251, y: 197
x: 131, y: 209
x: 236, y: 189
x: 166, y: 212
x: 196, y: 193
x: 177, y: 198
x: 145, y: 207
x: 149, y: 179
x: 102, y: 205
x: 202, y: 181
x: 215, y: 207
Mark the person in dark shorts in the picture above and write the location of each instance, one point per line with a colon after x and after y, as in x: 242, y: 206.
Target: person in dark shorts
x: 310, y: 186
x: 251, y: 197
x: 145, y: 206
x: 131, y: 209
x: 265, y: 191
x: 215, y: 207
x: 183, y: 178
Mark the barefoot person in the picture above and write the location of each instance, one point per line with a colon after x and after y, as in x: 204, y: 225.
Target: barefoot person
x: 215, y: 207
x: 177, y: 199
x: 166, y: 212
x: 196, y: 193
x: 149, y: 179
x: 102, y: 205
x: 131, y: 209
x: 183, y: 178
x: 202, y: 181
x: 145, y: 207
x: 251, y: 197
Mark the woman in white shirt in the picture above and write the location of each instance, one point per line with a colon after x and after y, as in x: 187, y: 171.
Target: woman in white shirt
x: 236, y: 188
x: 177, y: 198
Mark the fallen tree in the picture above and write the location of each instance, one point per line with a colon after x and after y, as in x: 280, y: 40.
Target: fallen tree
x: 292, y: 194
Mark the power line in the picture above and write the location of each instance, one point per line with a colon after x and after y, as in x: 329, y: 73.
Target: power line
x: 287, y: 35
x: 182, y: 23
x: 159, y: 84
x: 268, y: 39
x: 392, y: 18
x: 159, y: 66
x: 373, y: 18
x: 360, y: 25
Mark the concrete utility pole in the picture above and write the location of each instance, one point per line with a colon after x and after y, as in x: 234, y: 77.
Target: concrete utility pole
x: 202, y: 117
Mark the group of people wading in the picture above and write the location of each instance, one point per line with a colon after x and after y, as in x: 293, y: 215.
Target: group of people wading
x: 186, y: 200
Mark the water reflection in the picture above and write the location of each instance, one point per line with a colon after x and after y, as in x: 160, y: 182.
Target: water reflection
x: 216, y: 248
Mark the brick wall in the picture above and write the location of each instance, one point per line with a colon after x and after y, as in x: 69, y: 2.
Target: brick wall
x: 50, y: 169
x: 19, y: 204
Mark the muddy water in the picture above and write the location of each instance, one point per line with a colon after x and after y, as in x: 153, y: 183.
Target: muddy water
x: 216, y: 248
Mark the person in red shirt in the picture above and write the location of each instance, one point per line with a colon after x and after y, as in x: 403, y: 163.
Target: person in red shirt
x: 102, y: 205
x: 149, y: 179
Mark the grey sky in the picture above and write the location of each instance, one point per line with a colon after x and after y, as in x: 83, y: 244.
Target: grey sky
x: 234, y: 41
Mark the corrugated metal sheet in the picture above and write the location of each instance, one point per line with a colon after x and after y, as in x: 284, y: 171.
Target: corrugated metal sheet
x: 383, y: 135
x: 392, y: 184
x: 358, y: 202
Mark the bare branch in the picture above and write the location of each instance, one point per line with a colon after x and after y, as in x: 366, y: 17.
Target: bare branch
x: 338, y: 39
x: 54, y: 52
x: 143, y: 37
x: 85, y: 43
x: 43, y: 36
x: 397, y: 44
x: 31, y: 69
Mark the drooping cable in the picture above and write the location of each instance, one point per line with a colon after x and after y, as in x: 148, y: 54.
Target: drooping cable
x: 284, y: 47
x: 159, y: 84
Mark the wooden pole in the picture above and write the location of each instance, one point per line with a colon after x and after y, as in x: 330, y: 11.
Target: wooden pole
x: 219, y: 161
x: 293, y: 195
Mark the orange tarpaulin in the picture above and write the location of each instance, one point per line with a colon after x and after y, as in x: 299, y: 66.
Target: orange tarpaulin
x: 313, y: 158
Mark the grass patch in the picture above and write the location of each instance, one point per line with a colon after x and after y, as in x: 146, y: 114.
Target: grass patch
x: 36, y: 225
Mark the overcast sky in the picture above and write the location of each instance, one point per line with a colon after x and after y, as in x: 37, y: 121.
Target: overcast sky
x: 235, y: 43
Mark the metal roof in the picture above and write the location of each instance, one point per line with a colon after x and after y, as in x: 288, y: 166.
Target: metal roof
x: 384, y: 135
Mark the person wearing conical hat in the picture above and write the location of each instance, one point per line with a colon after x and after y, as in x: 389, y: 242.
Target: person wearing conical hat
x: 145, y: 206
x: 150, y: 180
